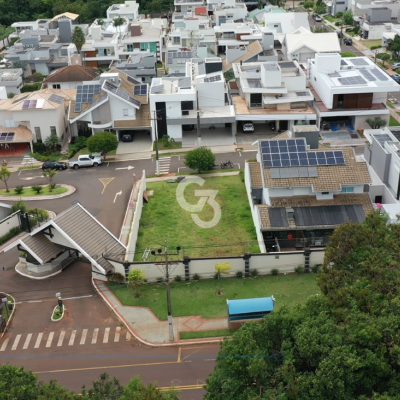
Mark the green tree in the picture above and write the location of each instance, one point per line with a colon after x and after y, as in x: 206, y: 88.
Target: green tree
x: 117, y: 22
x: 348, y: 17
x: 49, y: 174
x: 394, y: 47
x: 100, y: 21
x: 78, y: 38
x: 136, y: 278
x: 20, y: 64
x: 229, y: 75
x: 222, y: 268
x: 53, y: 390
x: 260, y: 4
x: 137, y: 390
x: 52, y: 142
x: 383, y: 56
x: 308, y: 4
x: 102, y: 142
x: 17, y: 384
x: 4, y: 176
x: 10, y: 95
x: 200, y: 159
x: 103, y: 389
x: 18, y: 206
x: 320, y: 8
x: 376, y: 123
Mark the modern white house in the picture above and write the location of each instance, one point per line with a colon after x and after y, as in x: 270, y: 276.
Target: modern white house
x: 299, y: 191
x: 194, y: 102
x: 273, y: 92
x: 348, y: 91
x: 128, y: 10
x: 335, y: 6
x: 285, y: 23
x: 379, y: 19
x: 229, y: 11
x: 11, y: 79
x: 302, y: 45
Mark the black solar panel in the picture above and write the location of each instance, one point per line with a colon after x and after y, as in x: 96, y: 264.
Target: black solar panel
x: 7, y: 136
x: 293, y: 153
x: 140, y: 90
x: 121, y: 93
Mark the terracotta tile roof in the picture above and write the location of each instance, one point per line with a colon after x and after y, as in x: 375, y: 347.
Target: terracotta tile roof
x: 310, y: 201
x: 330, y: 177
x: 16, y: 103
x: 21, y: 134
x: 72, y: 73
x: 255, y: 175
x: 253, y: 49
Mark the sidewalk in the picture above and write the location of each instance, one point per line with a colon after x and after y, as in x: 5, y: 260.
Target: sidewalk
x: 149, y: 330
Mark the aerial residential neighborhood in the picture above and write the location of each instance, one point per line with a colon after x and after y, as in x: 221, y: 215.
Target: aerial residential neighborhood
x: 200, y: 200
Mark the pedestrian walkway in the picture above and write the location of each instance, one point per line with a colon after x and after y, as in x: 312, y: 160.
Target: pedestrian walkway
x: 28, y: 161
x: 164, y: 163
x: 64, y: 338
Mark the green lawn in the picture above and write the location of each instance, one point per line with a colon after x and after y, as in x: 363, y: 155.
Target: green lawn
x: 85, y: 150
x: 206, y: 334
x: 330, y: 18
x: 200, y: 298
x: 163, y: 218
x: 30, y: 192
x: 390, y: 105
x: 176, y: 145
x: 393, y: 122
x: 372, y: 42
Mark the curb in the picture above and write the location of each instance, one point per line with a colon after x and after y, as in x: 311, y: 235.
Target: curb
x: 144, y: 341
x: 59, y: 319
x: 70, y: 190
x: 11, y: 316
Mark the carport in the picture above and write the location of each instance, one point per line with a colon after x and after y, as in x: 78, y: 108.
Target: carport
x: 15, y: 141
x: 249, y: 309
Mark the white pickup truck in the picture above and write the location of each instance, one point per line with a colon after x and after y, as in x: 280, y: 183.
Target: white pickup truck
x: 85, y: 160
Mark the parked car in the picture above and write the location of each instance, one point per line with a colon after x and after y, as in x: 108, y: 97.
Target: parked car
x: 317, y: 18
x: 127, y: 138
x: 85, y: 160
x: 395, y: 66
x: 396, y: 78
x: 248, y: 127
x: 339, y: 34
x: 348, y: 41
x: 54, y: 165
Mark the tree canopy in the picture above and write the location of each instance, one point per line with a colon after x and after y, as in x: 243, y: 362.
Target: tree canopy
x: 102, y: 142
x: 342, y: 344
x: 78, y: 38
x: 200, y: 159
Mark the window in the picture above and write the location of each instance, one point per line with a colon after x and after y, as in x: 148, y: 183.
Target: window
x: 128, y: 112
x: 129, y: 47
x: 38, y: 134
x: 53, y: 130
x: 57, y: 86
x: 347, y: 190
x: 324, y: 192
x: 177, y: 40
x: 187, y: 105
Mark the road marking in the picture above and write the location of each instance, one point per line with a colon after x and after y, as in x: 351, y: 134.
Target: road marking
x: 30, y: 178
x: 184, y: 387
x: 117, y: 332
x: 240, y: 154
x: 38, y: 340
x: 61, y: 338
x: 128, y: 168
x: 105, y: 182
x: 179, y: 168
x: 19, y: 173
x: 108, y: 367
x: 83, y: 338
x: 117, y: 194
x: 190, y: 354
x: 50, y: 339
x: 72, y: 338
x: 16, y: 341
x: 95, y: 333
x: 128, y: 336
x: 27, y: 340
x: 106, y: 333
x: 108, y: 164
x: 179, y: 354
x: 5, y: 343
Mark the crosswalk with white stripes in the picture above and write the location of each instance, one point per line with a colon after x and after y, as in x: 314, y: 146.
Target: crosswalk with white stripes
x: 164, y: 163
x: 62, y: 338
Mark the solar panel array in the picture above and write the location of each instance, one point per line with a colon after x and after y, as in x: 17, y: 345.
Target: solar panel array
x: 56, y: 98
x: 358, y: 61
x: 185, y: 83
x: 213, y: 78
x: 178, y: 54
x: 140, y: 90
x: 85, y: 94
x: 379, y: 74
x: 293, y: 153
x: 352, y: 80
x: 157, y: 89
x: 121, y: 93
x: 293, y: 172
x: 29, y: 104
x: 367, y: 75
x: 7, y: 136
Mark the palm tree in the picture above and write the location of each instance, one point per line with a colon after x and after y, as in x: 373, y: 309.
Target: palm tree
x: 100, y: 21
x: 118, y: 22
x: 78, y: 38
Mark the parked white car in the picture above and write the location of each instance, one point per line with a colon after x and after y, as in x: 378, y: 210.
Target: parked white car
x: 248, y: 127
x: 85, y: 160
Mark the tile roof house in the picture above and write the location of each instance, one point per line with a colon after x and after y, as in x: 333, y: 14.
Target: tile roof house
x: 300, y: 192
x: 69, y: 77
x: 73, y: 232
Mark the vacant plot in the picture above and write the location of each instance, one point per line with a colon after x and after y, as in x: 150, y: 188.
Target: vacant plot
x: 200, y: 298
x: 163, y: 218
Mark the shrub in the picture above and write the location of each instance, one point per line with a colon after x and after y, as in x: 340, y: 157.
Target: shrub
x: 299, y: 270
x: 77, y: 144
x: 252, y: 160
x: 177, y: 278
x: 339, y: 14
x: 347, y: 54
x: 19, y: 189
x: 38, y: 147
x: 116, y: 277
x: 37, y: 188
x: 241, y: 175
x: 315, y: 268
x: 239, y: 274
x: 338, y: 23
x: 159, y: 280
x: 53, y: 185
x: 196, y: 277
x: 18, y: 206
x: 200, y: 159
x: 254, y: 273
x: 31, y: 87
x: 274, y: 271
x: 10, y: 234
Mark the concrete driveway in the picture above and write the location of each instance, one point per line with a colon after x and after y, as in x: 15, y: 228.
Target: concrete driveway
x: 209, y: 137
x: 141, y: 143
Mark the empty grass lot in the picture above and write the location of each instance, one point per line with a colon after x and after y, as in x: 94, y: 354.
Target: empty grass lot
x: 162, y: 217
x: 199, y: 298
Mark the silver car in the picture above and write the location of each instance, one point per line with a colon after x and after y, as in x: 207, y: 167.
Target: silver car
x: 248, y: 127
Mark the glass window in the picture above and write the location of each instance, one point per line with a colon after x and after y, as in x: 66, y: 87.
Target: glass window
x: 53, y: 130
x: 38, y: 134
x: 347, y: 190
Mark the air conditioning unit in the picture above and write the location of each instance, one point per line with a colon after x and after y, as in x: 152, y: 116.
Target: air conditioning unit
x: 185, y: 112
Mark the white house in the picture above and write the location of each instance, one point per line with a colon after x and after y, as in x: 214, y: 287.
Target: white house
x: 229, y: 11
x: 273, y: 91
x: 302, y: 44
x: 348, y: 91
x: 128, y: 10
x: 69, y: 77
x: 285, y: 22
x: 11, y: 79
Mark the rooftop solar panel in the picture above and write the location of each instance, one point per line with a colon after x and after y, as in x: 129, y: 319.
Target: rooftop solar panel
x: 379, y: 74
x: 57, y: 99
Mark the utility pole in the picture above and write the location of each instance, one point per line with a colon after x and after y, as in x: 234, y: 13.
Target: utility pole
x: 198, y: 119
x: 341, y: 30
x: 167, y: 264
x: 155, y: 119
